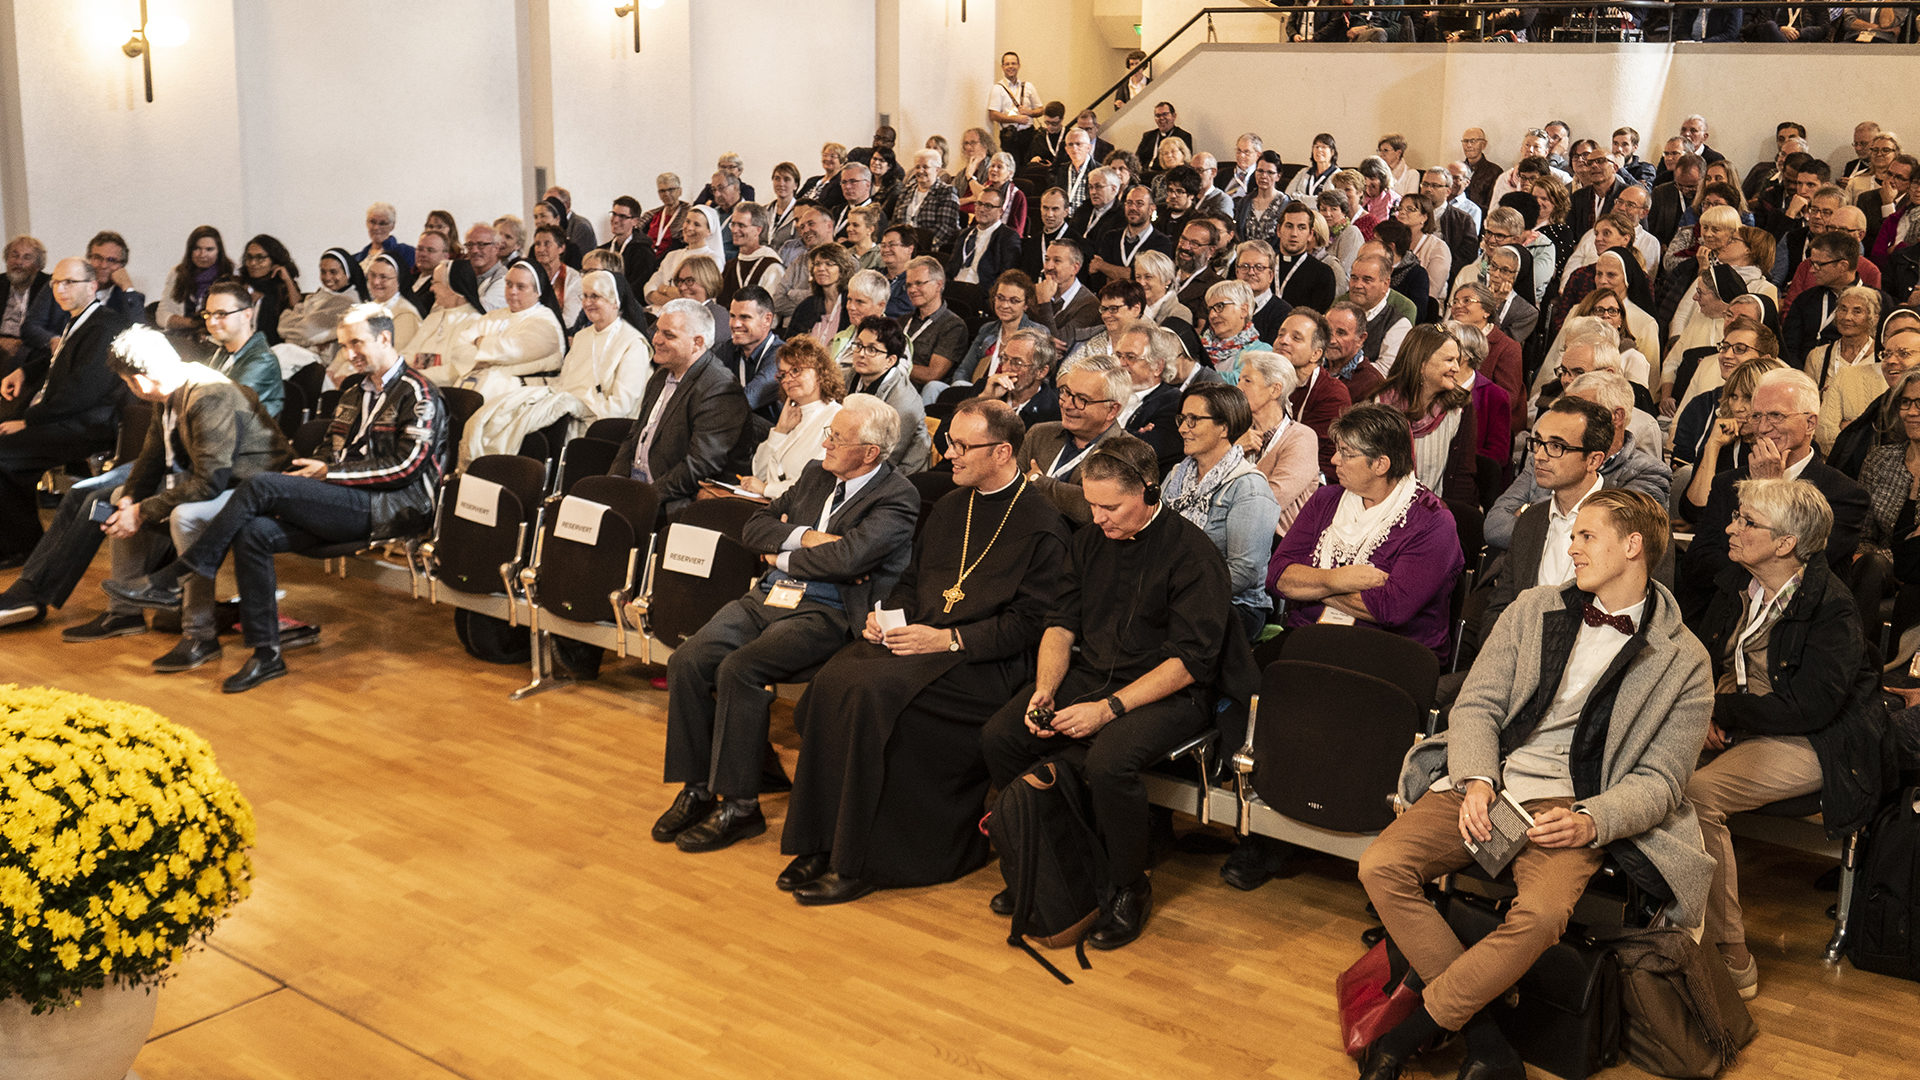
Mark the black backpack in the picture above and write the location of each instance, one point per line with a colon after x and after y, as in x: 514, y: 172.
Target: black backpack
x: 1053, y: 860
x: 1882, y: 934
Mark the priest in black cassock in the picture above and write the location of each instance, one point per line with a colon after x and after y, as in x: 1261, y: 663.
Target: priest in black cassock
x: 891, y: 784
x: 1147, y: 601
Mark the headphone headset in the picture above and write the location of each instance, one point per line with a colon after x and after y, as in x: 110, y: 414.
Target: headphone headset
x: 1149, y: 483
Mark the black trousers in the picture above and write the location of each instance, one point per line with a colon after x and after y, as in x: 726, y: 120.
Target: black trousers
x: 268, y: 514
x: 1111, y: 758
x: 24, y: 455
x: 717, y: 696
x: 61, y: 557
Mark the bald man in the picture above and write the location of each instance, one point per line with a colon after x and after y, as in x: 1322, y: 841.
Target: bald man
x: 56, y: 410
x: 1473, y: 150
x: 1852, y: 221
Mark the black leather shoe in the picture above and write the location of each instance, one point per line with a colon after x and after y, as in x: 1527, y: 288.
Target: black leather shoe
x: 188, y: 654
x: 1002, y: 902
x: 1126, y: 917
x: 803, y: 870
x: 106, y: 625
x: 725, y: 826
x: 151, y: 597
x: 256, y: 670
x: 1373, y: 935
x: 1255, y: 861
x: 24, y: 613
x: 294, y: 634
x: 1377, y: 1064
x: 832, y: 889
x: 689, y: 808
x: 1479, y: 1069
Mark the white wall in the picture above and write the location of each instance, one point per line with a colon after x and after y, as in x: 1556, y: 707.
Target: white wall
x: 1064, y: 59
x: 944, y: 68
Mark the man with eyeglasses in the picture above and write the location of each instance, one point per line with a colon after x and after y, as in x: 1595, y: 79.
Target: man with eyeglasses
x: 26, y: 278
x: 1814, y: 219
x: 1253, y: 266
x: 241, y: 352
x: 1833, y: 260
x: 1845, y: 220
x: 1569, y: 444
x: 891, y: 785
x: 56, y: 409
x: 107, y: 257
x: 1113, y: 255
x: 483, y: 252
x: 1092, y: 392
x: 1483, y: 173
x: 981, y: 254
x: 836, y: 539
x: 1020, y: 377
x: 856, y: 188
x: 381, y: 217
x: 1458, y: 228
x: 1881, y: 150
x: 1631, y: 202
x: 1786, y: 408
x: 637, y: 261
x: 1896, y: 200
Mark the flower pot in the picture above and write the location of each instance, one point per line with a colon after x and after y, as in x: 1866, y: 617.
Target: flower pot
x: 95, y: 1040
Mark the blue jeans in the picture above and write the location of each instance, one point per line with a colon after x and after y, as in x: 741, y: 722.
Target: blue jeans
x: 268, y: 514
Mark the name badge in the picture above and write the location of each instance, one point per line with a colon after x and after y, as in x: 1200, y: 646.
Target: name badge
x: 787, y: 594
x: 1332, y: 616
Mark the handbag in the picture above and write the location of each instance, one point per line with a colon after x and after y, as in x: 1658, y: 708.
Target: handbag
x: 1684, y: 1017
x: 1563, y: 1015
x: 1374, y: 997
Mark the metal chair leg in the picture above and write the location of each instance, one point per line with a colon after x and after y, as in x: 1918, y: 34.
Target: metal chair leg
x: 543, y: 677
x: 1849, y: 864
x: 1203, y: 755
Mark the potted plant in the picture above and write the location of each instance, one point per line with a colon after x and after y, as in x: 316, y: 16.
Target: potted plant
x: 120, y: 842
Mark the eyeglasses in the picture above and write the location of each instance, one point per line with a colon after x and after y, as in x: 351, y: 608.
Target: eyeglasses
x: 1566, y: 372
x: 1899, y: 356
x: 956, y: 448
x: 834, y: 442
x: 1742, y: 519
x: 1605, y: 311
x: 792, y: 373
x: 1015, y: 363
x: 1257, y: 268
x: 1112, y: 309
x: 1081, y: 401
x: 106, y: 260
x: 1737, y: 348
x: 1348, y: 453
x: 1879, y: 149
x: 1552, y: 449
x: 861, y: 349
x: 257, y: 256
x: 684, y: 280
x: 1908, y: 404
x: 1187, y: 420
x: 215, y: 315
x: 1129, y: 358
x: 1773, y: 419
x: 1219, y: 306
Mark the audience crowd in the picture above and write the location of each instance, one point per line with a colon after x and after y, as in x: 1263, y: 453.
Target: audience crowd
x: 1043, y: 438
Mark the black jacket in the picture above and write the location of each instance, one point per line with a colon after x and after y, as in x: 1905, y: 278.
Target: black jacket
x: 34, y: 288
x: 78, y: 385
x: 875, y: 527
x: 1150, y: 145
x: 1824, y: 687
x: 401, y: 456
x: 1003, y: 253
x: 1706, y: 558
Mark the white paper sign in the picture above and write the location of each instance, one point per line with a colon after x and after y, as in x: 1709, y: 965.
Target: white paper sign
x: 689, y: 550
x: 890, y: 618
x: 478, y: 501
x: 579, y: 520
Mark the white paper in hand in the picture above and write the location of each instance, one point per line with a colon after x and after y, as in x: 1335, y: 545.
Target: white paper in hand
x: 478, y: 502
x: 890, y: 618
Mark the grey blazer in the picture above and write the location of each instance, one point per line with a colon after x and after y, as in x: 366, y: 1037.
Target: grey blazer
x: 875, y: 528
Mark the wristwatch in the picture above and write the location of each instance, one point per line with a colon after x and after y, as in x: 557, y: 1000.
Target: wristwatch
x: 1116, y: 706
x: 953, y: 643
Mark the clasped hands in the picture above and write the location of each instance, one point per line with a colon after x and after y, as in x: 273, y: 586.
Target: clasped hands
x: 1556, y: 827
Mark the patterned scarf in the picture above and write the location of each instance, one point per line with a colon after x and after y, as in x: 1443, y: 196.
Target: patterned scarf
x: 1192, y: 493
x: 1221, y: 353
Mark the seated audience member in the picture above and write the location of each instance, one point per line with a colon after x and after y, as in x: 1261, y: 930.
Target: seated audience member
x: 521, y: 340
x: 863, y: 237
x: 1302, y: 279
x: 939, y: 336
x: 1593, y: 353
x: 221, y: 436
x: 240, y: 351
x: 661, y: 225
x: 698, y: 279
x: 313, y: 322
x: 824, y: 188
x: 26, y: 278
x: 381, y: 219
x: 1513, y: 314
x: 57, y: 409
x: 1419, y: 213
x: 1099, y: 215
x: 1320, y: 397
x: 603, y: 376
x: 1618, y: 320
x: 1424, y: 386
x: 381, y: 465
x: 867, y: 294
x: 1013, y: 204
x: 1152, y: 405
x: 1406, y: 277
x: 881, y: 368
x: 1217, y: 489
x: 1797, y: 704
x: 1389, y: 315
x: 1618, y: 658
x: 1285, y: 450
x: 1054, y: 224
x: 1258, y: 206
x: 1065, y: 307
x: 1188, y: 371
x: 1785, y: 406
x: 1343, y: 241
x: 891, y: 783
x: 1493, y: 438
x: 1809, y: 323
x: 551, y: 212
x: 185, y: 292
x: 1091, y: 393
x: 749, y: 350
x: 390, y: 284
x: 562, y: 277
x: 899, y: 246
x: 1375, y: 546
x: 857, y: 190
x: 928, y: 202
x: 270, y: 273
x: 812, y: 227
x: 699, y: 235
x: 1729, y: 438
x: 1022, y: 376
x: 1153, y: 272
x: 1473, y: 306
x: 1899, y: 353
x: 824, y: 311
x: 693, y: 416
x: 46, y: 319
x: 810, y: 384
x: 442, y: 347
x: 1746, y: 343
x: 1179, y: 194
x: 1009, y: 299
x: 1253, y: 267
x: 1630, y: 207
x: 1200, y: 240
x: 1229, y: 329
x: 782, y: 207
x: 629, y: 241
x: 839, y: 536
x: 1845, y: 368
x: 1888, y: 474
x: 1113, y: 259
x: 483, y: 250
x: 512, y: 235
x: 1347, y: 358
x: 986, y: 251
x: 1133, y: 651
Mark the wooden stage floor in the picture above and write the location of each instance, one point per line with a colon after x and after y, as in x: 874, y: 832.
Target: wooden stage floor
x: 454, y: 885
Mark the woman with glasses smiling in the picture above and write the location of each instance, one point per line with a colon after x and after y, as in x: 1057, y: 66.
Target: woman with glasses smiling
x: 880, y: 367
x: 1879, y: 423
x: 1225, y: 495
x: 810, y: 382
x: 1845, y: 369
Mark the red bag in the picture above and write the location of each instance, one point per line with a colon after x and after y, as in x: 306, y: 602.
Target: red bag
x: 1374, y: 997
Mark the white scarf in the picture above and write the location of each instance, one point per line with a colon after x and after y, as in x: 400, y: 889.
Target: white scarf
x: 1357, y: 530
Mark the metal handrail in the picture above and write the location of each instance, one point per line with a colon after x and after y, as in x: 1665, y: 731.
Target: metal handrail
x: 1478, y: 8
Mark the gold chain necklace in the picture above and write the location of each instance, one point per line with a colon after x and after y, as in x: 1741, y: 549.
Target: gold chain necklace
x: 954, y: 595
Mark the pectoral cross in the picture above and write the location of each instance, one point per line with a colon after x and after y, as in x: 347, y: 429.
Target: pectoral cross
x: 953, y: 596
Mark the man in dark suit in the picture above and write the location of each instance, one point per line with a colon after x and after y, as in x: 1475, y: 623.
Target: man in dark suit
x: 1113, y: 253
x: 1193, y: 274
x: 1072, y: 173
x: 1570, y: 443
x: 1089, y: 122
x: 839, y: 537
x: 26, y: 278
x: 1100, y: 215
x: 1253, y: 265
x: 1834, y: 261
x: 1672, y: 198
x: 1163, y: 128
x: 1151, y: 410
x: 637, y: 261
x: 1595, y: 200
x: 1068, y: 309
x: 693, y: 418
x: 1786, y: 405
x: 107, y: 256
x: 748, y: 352
x: 1301, y: 279
x: 56, y: 410
x: 1053, y: 223
x: 981, y: 254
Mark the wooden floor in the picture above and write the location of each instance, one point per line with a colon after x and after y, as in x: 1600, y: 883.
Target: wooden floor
x: 454, y: 885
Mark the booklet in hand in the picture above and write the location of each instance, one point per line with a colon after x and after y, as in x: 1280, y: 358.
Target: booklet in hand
x: 1510, y: 825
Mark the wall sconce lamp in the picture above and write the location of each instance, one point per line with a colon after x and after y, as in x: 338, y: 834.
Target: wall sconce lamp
x: 632, y: 7
x: 146, y: 36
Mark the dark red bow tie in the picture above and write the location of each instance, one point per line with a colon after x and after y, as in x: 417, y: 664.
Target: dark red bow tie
x: 1596, y: 617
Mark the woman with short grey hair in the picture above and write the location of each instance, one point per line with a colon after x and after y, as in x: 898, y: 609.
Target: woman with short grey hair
x: 1285, y: 451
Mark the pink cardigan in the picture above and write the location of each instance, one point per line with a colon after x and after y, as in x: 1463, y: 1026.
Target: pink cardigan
x: 1292, y: 468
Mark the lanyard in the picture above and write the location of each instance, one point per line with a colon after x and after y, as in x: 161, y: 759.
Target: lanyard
x: 1298, y: 262
x: 1062, y: 464
x: 1126, y: 257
